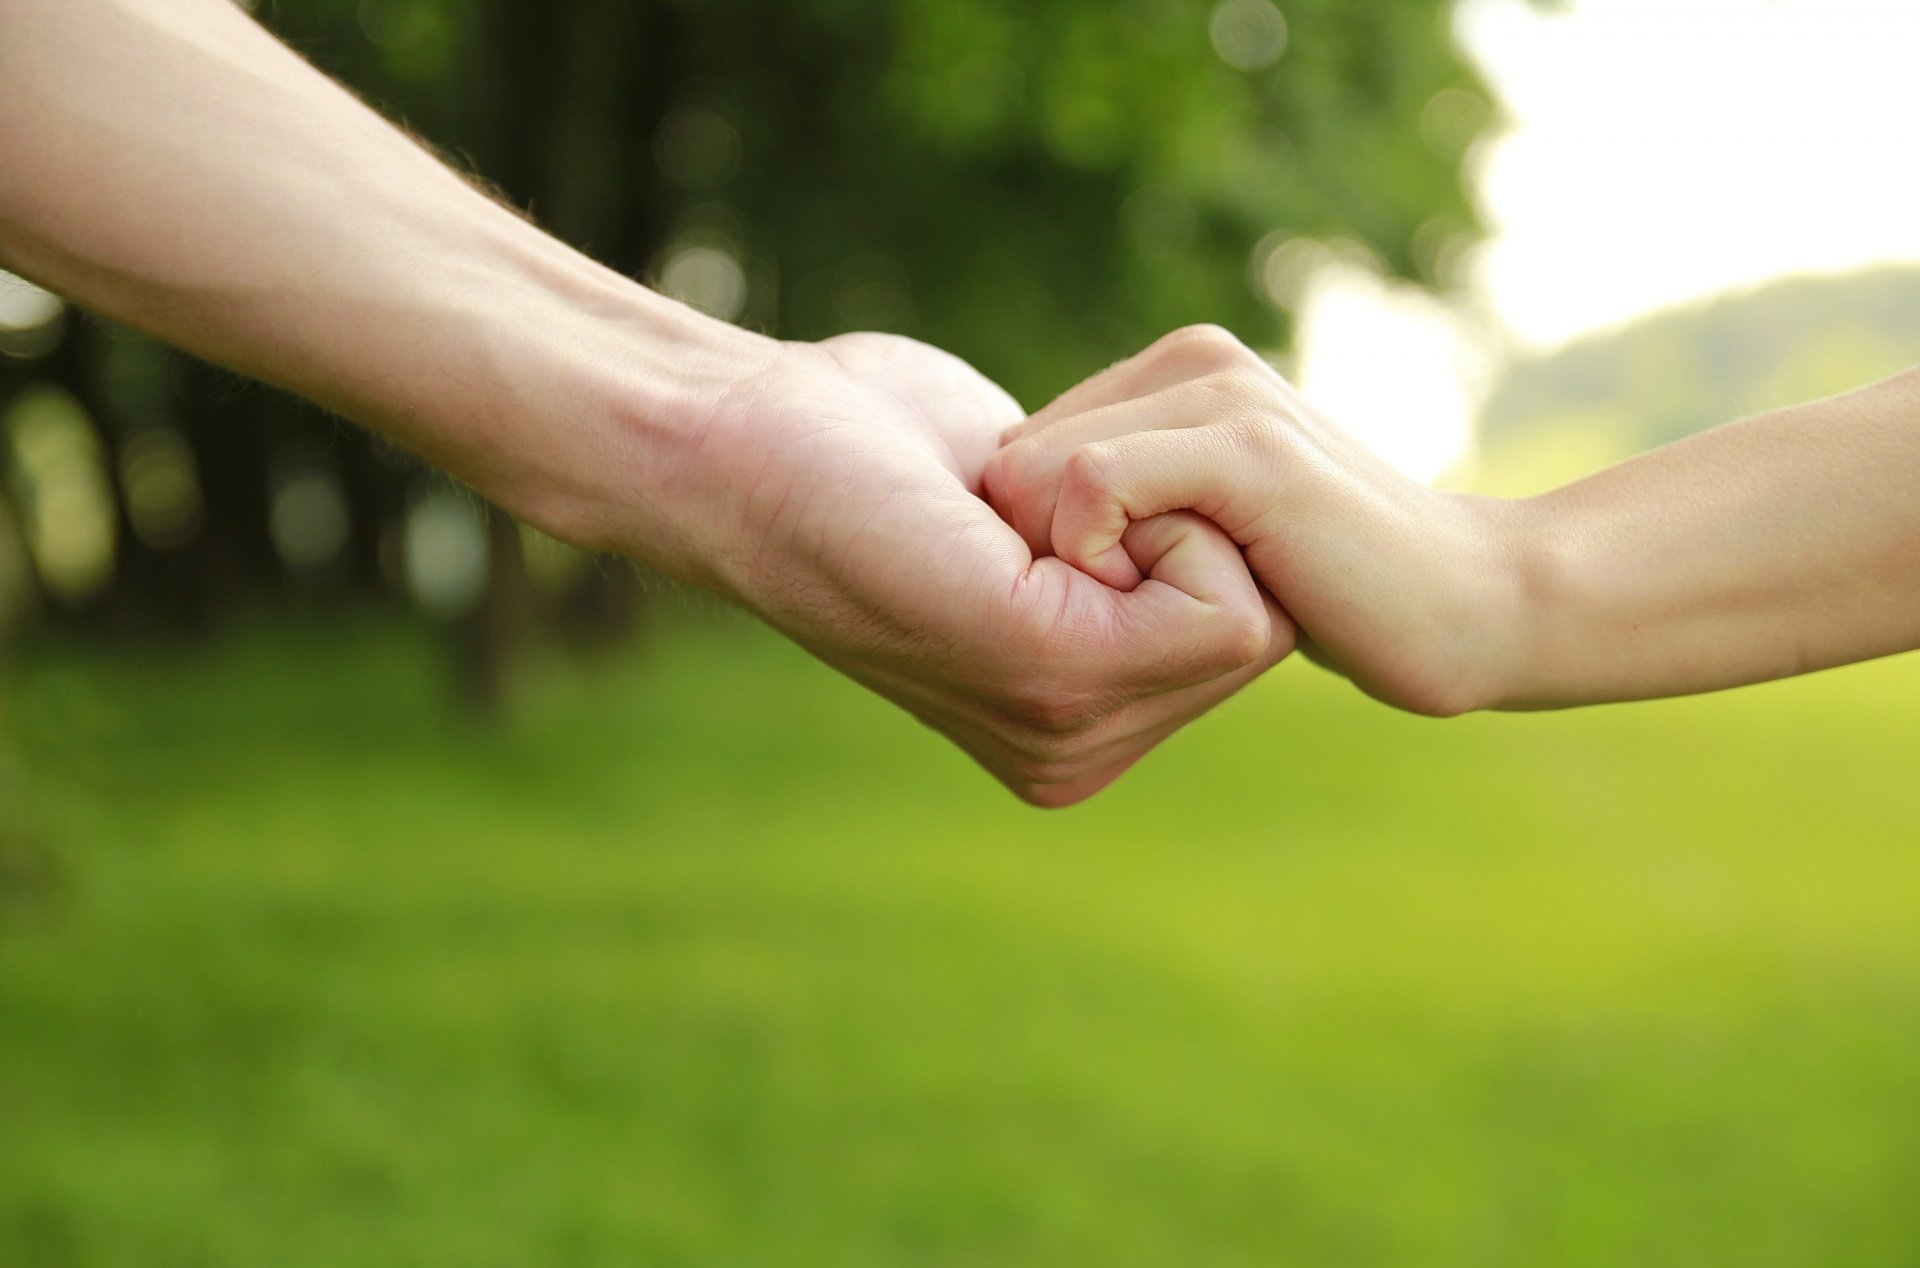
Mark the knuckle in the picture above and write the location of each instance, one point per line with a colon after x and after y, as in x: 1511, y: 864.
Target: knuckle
x: 1016, y: 486
x: 1088, y: 468
x: 1204, y: 347
x: 1249, y: 435
x: 1048, y: 781
x: 1252, y: 444
x: 1434, y: 698
x: 1242, y: 387
x: 1043, y: 795
x: 1050, y: 717
x: 1231, y: 639
x: 1247, y: 636
x: 1029, y: 625
x: 1000, y: 478
x: 1018, y: 464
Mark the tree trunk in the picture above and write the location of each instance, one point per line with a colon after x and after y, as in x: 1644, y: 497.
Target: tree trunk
x: 580, y: 88
x: 490, y: 638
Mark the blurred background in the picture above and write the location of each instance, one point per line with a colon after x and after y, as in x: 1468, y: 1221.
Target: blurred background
x: 381, y: 882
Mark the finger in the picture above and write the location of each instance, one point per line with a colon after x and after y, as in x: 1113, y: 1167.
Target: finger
x: 1190, y: 554
x: 1106, y: 487
x: 1022, y: 480
x: 1197, y: 614
x: 1188, y: 353
x: 1152, y: 718
x: 1148, y: 723
x: 1135, y: 665
x: 1136, y: 730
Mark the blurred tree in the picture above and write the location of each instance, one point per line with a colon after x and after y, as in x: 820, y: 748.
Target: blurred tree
x: 1040, y: 187
x: 1697, y: 366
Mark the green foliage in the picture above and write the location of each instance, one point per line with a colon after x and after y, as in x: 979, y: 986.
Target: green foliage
x: 712, y: 960
x: 1683, y: 371
x: 1042, y: 187
x: 1058, y: 184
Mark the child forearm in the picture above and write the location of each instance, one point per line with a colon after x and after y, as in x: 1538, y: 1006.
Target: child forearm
x: 1783, y: 544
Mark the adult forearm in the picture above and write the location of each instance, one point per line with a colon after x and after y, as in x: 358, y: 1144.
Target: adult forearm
x: 1786, y: 543
x: 170, y: 164
x: 167, y: 163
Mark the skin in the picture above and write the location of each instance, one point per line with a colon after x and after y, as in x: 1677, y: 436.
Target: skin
x: 171, y: 165
x: 1778, y: 545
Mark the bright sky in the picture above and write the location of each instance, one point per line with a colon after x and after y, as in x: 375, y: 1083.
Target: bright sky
x: 1657, y: 151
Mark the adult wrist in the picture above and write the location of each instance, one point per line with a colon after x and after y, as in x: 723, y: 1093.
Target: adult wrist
x: 596, y: 426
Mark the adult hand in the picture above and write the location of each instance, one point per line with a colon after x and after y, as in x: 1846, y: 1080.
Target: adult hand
x: 173, y: 166
x: 840, y: 500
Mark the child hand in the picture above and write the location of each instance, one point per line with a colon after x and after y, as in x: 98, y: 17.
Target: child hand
x: 1408, y: 591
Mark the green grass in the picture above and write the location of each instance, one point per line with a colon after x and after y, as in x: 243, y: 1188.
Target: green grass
x: 712, y: 959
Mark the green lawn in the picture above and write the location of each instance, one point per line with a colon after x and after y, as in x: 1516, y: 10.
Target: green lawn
x: 711, y: 958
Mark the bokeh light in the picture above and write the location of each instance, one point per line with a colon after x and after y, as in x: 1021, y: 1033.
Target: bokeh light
x: 697, y: 147
x: 1453, y: 119
x: 1392, y: 365
x: 444, y: 551
x: 31, y: 319
x: 397, y: 25
x: 308, y: 512
x: 161, y: 487
x: 1281, y: 265
x: 1248, y: 34
x: 707, y: 276
x: 59, y: 483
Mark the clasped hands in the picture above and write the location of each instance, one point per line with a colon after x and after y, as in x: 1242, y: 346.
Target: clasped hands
x: 1060, y: 593
x: 1057, y: 594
